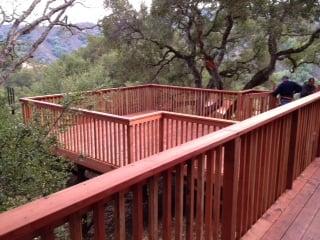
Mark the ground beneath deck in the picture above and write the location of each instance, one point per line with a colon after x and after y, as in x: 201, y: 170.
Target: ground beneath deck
x: 296, y: 214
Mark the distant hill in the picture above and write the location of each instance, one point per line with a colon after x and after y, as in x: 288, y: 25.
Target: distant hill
x: 59, y: 42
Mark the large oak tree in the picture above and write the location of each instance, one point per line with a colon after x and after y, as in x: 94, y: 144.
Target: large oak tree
x: 232, y: 40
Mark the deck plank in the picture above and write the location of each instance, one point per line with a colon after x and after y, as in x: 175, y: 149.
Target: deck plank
x: 313, y: 232
x: 281, y: 215
x: 305, y: 217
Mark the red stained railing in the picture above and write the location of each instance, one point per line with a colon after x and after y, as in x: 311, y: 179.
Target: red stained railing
x: 104, y: 141
x: 233, y: 105
x: 178, y: 192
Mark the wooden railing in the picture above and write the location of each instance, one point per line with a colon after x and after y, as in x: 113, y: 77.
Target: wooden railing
x: 253, y: 104
x: 204, y: 102
x: 214, y: 187
x: 102, y: 141
x: 233, y: 105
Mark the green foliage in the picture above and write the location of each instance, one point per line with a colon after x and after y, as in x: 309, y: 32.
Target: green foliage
x: 28, y: 169
x: 141, y: 38
x: 133, y: 49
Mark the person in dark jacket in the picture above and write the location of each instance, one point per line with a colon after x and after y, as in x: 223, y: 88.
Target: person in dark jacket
x: 286, y: 90
x: 308, y: 88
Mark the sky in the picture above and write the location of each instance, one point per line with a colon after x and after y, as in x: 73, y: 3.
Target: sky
x: 93, y: 11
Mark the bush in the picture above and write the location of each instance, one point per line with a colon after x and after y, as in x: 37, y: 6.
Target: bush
x: 28, y: 169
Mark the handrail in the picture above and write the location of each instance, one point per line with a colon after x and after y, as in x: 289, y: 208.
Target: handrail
x: 124, y: 120
x: 199, y: 119
x: 46, y: 211
x: 223, y: 104
x: 206, y: 89
x: 127, y: 119
x: 90, y: 92
x: 149, y: 85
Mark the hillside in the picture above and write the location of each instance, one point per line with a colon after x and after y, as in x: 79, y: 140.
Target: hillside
x: 59, y: 42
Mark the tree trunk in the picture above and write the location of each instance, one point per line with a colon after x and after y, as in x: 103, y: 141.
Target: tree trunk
x: 260, y: 77
x: 215, y: 81
x: 263, y: 75
x: 195, y: 72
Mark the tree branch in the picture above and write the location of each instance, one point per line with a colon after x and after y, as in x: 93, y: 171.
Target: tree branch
x: 163, y: 64
x: 315, y: 35
x: 224, y: 40
x: 51, y: 15
x: 214, y: 22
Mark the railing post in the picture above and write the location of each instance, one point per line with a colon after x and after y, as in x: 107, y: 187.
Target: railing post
x: 161, y: 133
x: 239, y: 110
x: 292, y: 148
x: 230, y: 188
x: 100, y: 102
x: 130, y: 143
x: 26, y: 111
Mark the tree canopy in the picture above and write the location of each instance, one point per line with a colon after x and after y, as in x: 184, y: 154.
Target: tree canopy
x: 214, y: 42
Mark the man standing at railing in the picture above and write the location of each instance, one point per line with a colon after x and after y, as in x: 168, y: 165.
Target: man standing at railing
x: 308, y: 88
x: 286, y: 90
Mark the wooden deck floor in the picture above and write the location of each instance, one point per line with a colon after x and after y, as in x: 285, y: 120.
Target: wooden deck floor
x: 296, y: 214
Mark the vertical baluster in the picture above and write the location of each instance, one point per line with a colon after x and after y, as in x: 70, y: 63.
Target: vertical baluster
x: 217, y: 193
x: 75, y: 227
x: 119, y: 159
x: 99, y: 221
x: 137, y: 215
x: 140, y: 129
x: 292, y: 147
x: 125, y: 143
x: 103, y: 140
x: 119, y: 211
x: 167, y: 191
x: 111, y: 145
x: 153, y: 208
x: 190, y: 200
x: 108, y: 143
x: 230, y: 187
x: 137, y: 146
x: 179, y: 202
x: 209, y: 194
x: 131, y: 149
x: 95, y: 138
x: 200, y: 197
x: 258, y: 175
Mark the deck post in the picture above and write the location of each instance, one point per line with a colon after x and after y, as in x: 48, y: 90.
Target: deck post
x: 161, y: 134
x: 239, y: 110
x: 130, y: 143
x: 100, y: 102
x: 26, y: 111
x: 230, y: 188
x: 292, y: 148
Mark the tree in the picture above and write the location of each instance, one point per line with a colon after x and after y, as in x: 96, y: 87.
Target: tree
x: 185, y: 31
x: 236, y: 40
x: 21, y: 24
x: 286, y: 22
x: 28, y: 169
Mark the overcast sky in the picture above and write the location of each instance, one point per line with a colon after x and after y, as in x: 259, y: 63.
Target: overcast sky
x: 93, y: 11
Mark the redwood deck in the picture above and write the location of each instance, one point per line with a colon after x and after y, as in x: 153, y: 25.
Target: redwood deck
x: 296, y: 214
